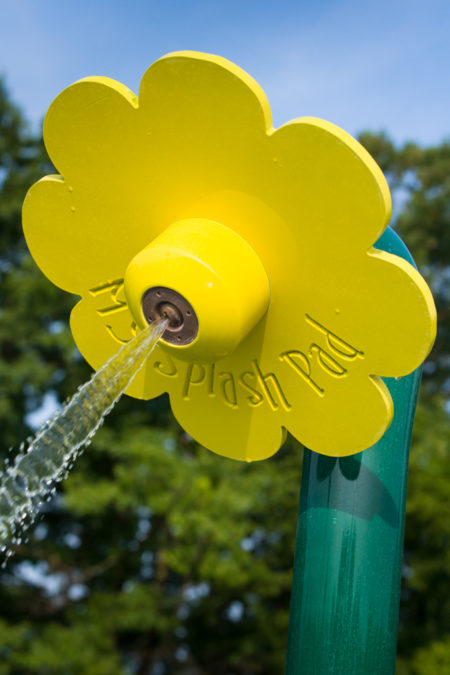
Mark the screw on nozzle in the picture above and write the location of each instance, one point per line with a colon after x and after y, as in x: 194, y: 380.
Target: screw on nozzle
x: 164, y: 302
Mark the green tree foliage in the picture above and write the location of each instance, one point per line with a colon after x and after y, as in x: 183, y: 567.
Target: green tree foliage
x: 158, y: 557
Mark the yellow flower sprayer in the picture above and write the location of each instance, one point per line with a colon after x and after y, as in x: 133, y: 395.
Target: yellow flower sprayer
x: 285, y: 305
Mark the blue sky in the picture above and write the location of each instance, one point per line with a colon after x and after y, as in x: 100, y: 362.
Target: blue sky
x: 360, y: 64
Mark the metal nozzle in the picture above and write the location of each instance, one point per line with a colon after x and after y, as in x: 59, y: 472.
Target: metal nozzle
x: 164, y: 302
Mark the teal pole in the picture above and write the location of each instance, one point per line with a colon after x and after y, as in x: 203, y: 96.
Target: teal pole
x: 347, y: 567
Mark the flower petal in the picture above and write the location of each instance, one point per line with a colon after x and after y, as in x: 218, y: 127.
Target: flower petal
x: 246, y: 434
x: 76, y: 235
x: 329, y: 187
x: 90, y: 128
x: 345, y: 422
x: 376, y: 302
x: 200, y: 94
x: 54, y: 241
x: 398, y: 315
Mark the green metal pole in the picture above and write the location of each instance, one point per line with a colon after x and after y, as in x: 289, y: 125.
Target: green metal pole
x: 346, y: 584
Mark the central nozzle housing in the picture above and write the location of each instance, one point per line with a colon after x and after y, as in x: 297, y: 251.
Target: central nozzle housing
x: 206, y: 280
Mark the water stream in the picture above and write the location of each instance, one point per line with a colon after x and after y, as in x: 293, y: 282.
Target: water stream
x: 33, y: 475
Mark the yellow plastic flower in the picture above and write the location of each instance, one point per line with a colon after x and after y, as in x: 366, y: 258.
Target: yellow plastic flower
x: 310, y: 201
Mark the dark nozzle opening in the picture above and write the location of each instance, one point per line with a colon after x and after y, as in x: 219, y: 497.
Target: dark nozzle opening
x: 164, y: 302
x: 172, y: 313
